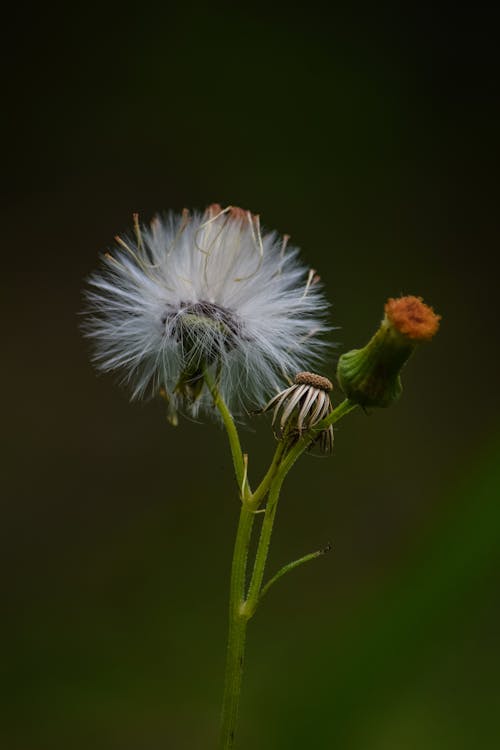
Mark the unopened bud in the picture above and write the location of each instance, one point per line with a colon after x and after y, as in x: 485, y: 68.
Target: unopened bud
x: 371, y: 376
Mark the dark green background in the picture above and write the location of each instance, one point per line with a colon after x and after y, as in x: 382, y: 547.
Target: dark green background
x: 371, y: 140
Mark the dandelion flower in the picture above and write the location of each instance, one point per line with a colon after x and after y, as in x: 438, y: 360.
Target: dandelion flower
x: 204, y: 292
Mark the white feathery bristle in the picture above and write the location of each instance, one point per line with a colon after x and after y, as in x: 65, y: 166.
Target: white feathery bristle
x: 205, y: 291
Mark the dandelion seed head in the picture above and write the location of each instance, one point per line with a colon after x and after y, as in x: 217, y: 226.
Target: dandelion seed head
x: 205, y: 290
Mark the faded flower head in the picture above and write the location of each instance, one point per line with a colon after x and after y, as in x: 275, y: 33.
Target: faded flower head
x: 302, y: 406
x: 192, y: 293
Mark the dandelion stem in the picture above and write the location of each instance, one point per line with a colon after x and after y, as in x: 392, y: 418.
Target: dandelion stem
x: 237, y: 631
x: 260, y: 493
x: 285, y: 464
x: 263, y: 547
x: 308, y: 437
x: 237, y: 620
x: 242, y: 606
x: 232, y: 434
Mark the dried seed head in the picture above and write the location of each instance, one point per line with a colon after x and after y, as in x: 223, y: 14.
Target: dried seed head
x: 316, y: 381
x: 302, y: 406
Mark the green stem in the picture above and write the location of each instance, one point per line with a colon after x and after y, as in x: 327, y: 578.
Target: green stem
x: 241, y: 607
x: 237, y: 620
x: 283, y: 467
x: 237, y: 631
x: 308, y: 437
x: 291, y: 566
x: 257, y: 497
x: 263, y: 547
x: 232, y: 433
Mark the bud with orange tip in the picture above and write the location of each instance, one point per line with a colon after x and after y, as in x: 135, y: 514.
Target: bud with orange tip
x: 371, y: 376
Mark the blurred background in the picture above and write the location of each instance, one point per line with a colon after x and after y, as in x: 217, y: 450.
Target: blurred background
x: 372, y: 141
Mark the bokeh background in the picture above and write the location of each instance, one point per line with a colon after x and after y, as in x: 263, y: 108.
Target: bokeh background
x: 371, y: 139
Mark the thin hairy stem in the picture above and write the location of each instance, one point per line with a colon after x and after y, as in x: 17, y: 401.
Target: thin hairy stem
x: 237, y: 631
x: 291, y: 566
x: 232, y: 434
x: 310, y: 436
x: 263, y: 547
x: 260, y: 493
x: 237, y: 621
x: 242, y: 606
x: 284, y: 464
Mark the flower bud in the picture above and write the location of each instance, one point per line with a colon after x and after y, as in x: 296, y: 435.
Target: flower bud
x: 371, y: 376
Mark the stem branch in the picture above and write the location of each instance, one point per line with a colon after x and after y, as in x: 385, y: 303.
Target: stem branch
x: 242, y: 607
x: 291, y: 566
x: 263, y: 547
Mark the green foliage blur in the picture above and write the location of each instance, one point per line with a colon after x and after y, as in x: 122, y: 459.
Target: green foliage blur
x: 370, y: 140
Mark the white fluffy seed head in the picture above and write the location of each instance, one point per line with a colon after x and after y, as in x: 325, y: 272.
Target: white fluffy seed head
x: 207, y: 291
